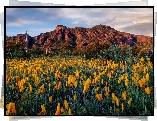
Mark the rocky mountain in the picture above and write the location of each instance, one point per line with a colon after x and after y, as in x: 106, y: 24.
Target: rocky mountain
x: 78, y: 37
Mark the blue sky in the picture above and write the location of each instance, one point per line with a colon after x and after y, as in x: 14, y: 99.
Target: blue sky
x: 40, y: 20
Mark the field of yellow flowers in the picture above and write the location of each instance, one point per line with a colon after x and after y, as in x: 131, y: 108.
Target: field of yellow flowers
x: 75, y: 86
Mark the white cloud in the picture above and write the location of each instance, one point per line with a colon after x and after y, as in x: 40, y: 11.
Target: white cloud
x: 75, y: 22
x: 22, y: 22
x: 139, y: 29
x: 118, y: 18
x: 17, y: 17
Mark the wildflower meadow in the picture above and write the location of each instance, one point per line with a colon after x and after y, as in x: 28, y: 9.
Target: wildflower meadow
x: 77, y: 86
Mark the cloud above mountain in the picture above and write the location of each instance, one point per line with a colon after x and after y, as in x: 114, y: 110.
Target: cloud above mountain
x: 38, y: 20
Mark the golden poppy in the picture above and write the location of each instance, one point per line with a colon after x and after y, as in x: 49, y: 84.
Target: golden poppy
x: 126, y: 82
x: 74, y: 97
x: 43, y: 111
x: 77, y: 74
x: 130, y: 100
x: 75, y: 84
x: 50, y: 99
x: 117, y: 101
x: 58, y: 109
x: 66, y: 105
x: 62, y: 110
x: 17, y: 78
x: 147, y: 90
x: 147, y: 77
x: 122, y: 107
x: 113, y: 97
x: 99, y: 97
x: 124, y: 95
x: 59, y: 85
x: 97, y: 89
x: 30, y: 87
x: 86, y: 86
x: 69, y: 112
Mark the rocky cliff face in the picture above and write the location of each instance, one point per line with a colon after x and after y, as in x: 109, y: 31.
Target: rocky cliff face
x: 79, y: 37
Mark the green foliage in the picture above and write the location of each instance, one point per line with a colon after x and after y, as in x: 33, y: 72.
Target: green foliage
x: 12, y: 46
x: 116, y: 53
x: 141, y: 49
x: 15, y: 49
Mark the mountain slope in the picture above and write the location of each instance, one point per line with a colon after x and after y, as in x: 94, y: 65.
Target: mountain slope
x: 64, y: 38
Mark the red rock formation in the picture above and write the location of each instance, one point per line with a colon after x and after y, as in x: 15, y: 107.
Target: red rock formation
x: 79, y: 37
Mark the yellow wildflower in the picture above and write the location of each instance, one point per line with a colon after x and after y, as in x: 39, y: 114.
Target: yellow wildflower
x: 97, y: 89
x: 140, y: 69
x: 30, y: 88
x: 62, y: 110
x: 48, y: 78
x: 97, y: 79
x: 99, y: 97
x: 49, y: 85
x: 77, y: 74
x: 126, y: 82
x: 147, y: 90
x: 66, y: 84
x: 69, y: 112
x: 106, y: 88
x: 17, y: 78
x: 148, y: 59
x: 144, y: 70
x: 109, y: 75
x: 10, y: 108
x: 147, y: 77
x: 71, y: 79
x: 142, y: 82
x: 117, y: 101
x: 149, y: 64
x: 142, y: 59
x: 102, y: 81
x: 50, y: 99
x: 12, y: 87
x: 59, y: 85
x: 21, y: 88
x: 122, y: 107
x: 119, y: 81
x: 84, y: 76
x: 66, y: 105
x: 86, y: 86
x: 74, y: 97
x: 58, y: 109
x: 124, y: 95
x: 99, y: 68
x: 88, y: 82
x: 93, y: 82
x: 54, y: 83
x: 41, y: 89
x: 130, y: 100
x: 43, y: 111
x: 75, y: 84
x: 13, y: 110
x: 106, y: 93
x: 113, y: 97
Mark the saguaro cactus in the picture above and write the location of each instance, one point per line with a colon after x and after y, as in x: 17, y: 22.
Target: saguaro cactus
x: 26, y: 42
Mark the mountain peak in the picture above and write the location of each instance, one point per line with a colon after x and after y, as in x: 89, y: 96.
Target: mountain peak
x: 60, y: 28
x: 77, y: 36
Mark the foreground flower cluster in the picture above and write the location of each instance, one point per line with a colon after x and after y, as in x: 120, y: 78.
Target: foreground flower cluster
x: 74, y: 86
